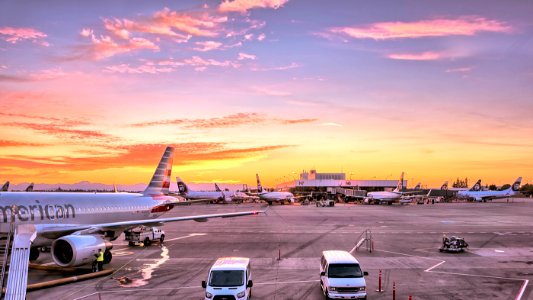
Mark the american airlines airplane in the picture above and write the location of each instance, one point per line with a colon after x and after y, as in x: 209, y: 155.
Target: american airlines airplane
x: 270, y: 197
x: 479, y: 195
x: 76, y: 225
x: 198, y: 195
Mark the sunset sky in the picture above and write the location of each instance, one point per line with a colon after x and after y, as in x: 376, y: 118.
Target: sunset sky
x: 95, y: 90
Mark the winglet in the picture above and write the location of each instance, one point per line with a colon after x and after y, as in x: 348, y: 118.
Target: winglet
x: 5, y: 187
x: 160, y: 182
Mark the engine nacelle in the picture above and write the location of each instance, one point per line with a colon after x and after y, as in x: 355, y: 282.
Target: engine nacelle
x: 77, y: 250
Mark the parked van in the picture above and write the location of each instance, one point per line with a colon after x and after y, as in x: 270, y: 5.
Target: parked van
x: 341, y: 276
x: 229, y: 278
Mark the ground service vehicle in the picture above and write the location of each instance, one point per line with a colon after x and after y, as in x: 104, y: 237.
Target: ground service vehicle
x: 229, y: 278
x: 341, y: 276
x: 145, y: 235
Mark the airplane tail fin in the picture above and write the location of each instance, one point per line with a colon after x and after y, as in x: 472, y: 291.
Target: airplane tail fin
x: 30, y: 188
x: 417, y: 186
x: 476, y: 187
x: 399, y: 186
x: 5, y: 187
x: 217, y: 188
x: 259, y: 186
x: 516, y: 184
x: 182, y: 187
x: 444, y: 186
x: 160, y: 182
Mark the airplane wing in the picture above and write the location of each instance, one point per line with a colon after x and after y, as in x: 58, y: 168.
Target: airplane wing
x: 59, y: 231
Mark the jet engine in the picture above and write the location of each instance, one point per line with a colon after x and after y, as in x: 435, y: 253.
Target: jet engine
x: 77, y: 250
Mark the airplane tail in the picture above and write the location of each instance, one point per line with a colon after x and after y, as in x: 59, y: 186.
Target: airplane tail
x: 516, y: 184
x: 476, y: 187
x: 30, y: 188
x: 5, y: 187
x: 399, y: 186
x: 417, y: 186
x: 160, y: 182
x: 182, y: 187
x: 444, y: 186
x: 217, y: 188
x: 259, y: 186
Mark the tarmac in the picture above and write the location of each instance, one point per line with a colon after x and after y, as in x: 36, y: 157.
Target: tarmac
x: 285, y: 247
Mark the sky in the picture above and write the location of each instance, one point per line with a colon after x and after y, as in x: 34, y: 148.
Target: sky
x: 95, y: 90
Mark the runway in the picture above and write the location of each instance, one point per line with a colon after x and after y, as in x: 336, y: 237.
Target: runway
x: 285, y: 247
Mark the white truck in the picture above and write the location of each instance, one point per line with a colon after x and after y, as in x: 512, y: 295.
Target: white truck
x: 145, y: 235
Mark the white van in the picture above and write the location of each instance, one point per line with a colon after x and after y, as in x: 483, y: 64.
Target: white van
x: 229, y: 278
x: 341, y: 276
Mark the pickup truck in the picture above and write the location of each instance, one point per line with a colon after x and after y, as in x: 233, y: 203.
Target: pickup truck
x: 145, y: 235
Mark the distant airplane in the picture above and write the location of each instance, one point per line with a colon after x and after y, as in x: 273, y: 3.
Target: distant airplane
x: 389, y: 197
x: 479, y: 195
x: 198, y: 195
x: 76, y: 225
x: 5, y: 187
x: 270, y: 197
x: 417, y: 186
x: 29, y: 188
x: 236, y: 196
x: 475, y: 187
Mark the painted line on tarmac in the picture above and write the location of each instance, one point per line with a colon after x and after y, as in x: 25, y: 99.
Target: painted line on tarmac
x: 430, y: 270
x: 187, y: 236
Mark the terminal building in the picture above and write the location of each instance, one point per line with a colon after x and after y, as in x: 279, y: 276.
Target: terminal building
x: 313, y: 181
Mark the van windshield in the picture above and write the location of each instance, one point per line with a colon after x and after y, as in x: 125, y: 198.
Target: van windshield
x: 226, y: 278
x: 344, y: 271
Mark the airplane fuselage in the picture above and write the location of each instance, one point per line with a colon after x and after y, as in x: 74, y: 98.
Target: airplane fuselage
x: 277, y: 196
x: 485, y: 195
x: 384, y: 196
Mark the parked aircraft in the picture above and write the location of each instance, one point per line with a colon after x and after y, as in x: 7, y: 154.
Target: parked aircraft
x: 475, y: 187
x: 76, y: 225
x: 479, y: 195
x: 271, y: 197
x: 29, y: 188
x: 198, y: 195
x: 236, y: 196
x: 388, y: 197
x: 5, y: 187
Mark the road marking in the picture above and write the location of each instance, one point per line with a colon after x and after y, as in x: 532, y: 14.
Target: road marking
x: 431, y: 268
x: 522, y: 290
x: 187, y: 236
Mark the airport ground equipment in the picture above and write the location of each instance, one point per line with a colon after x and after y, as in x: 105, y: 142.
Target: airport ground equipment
x: 145, y: 235
x: 325, y: 203
x: 17, y: 280
x: 453, y: 244
x: 365, y: 238
x: 6, y: 240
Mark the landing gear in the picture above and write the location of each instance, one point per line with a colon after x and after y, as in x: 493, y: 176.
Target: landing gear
x: 107, y: 257
x: 34, y: 254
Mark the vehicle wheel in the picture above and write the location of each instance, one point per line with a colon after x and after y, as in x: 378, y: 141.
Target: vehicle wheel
x: 147, y: 242
x: 269, y: 202
x: 250, y: 295
x: 107, y: 257
x: 162, y: 239
x: 131, y: 244
x: 34, y: 254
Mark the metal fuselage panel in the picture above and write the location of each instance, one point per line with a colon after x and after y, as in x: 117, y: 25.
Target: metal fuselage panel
x: 76, y: 208
x: 276, y: 196
x: 384, y: 195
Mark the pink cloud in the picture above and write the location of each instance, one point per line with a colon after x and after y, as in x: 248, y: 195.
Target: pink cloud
x: 201, y: 64
x: 170, y: 65
x: 14, y: 35
x: 279, y: 68
x: 459, y: 70
x: 467, y: 25
x: 207, y: 46
x: 145, y: 68
x: 417, y: 56
x: 105, y: 47
x: 243, y: 56
x: 244, y: 5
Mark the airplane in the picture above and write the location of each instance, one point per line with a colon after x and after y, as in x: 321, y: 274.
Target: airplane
x: 270, y: 197
x: 236, y: 196
x: 76, y: 225
x: 475, y: 187
x: 5, y: 187
x: 479, y: 195
x: 389, y: 197
x: 29, y: 188
x: 185, y: 192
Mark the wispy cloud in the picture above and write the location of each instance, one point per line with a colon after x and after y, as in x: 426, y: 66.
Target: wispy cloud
x: 229, y: 121
x: 14, y: 35
x: 459, y: 70
x: 331, y: 124
x: 200, y: 64
x: 105, y: 47
x: 429, y: 55
x: 64, y: 129
x: 292, y: 65
x: 243, y: 6
x: 207, y: 46
x: 243, y: 56
x: 466, y: 25
x: 8, y: 143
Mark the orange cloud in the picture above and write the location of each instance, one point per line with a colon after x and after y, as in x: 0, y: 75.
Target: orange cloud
x: 14, y: 35
x: 417, y: 56
x: 105, y: 46
x: 59, y: 129
x: 244, y: 5
x: 467, y: 25
x: 6, y: 143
